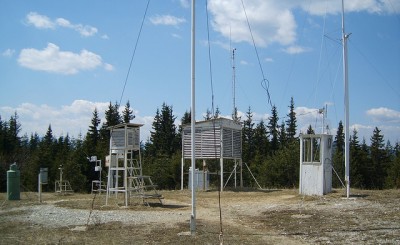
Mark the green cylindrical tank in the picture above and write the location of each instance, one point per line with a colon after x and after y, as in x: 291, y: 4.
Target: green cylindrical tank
x: 13, y: 182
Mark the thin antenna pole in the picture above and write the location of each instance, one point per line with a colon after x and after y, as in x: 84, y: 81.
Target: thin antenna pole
x: 193, y: 118
x: 233, y: 84
x: 346, y: 103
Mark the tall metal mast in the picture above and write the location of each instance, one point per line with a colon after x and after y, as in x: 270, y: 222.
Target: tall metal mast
x: 233, y: 84
x: 193, y: 121
x: 346, y: 103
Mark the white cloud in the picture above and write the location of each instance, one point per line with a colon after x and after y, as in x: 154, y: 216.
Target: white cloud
x: 176, y: 36
x: 269, y: 59
x: 105, y: 36
x: 384, y: 114
x: 63, y: 22
x: 108, y: 67
x: 52, y: 59
x: 70, y: 119
x: 39, y: 21
x: 389, y: 132
x: 387, y: 123
x: 295, y: 49
x: 270, y: 23
x: 167, y: 20
x: 317, y: 7
x: 44, y: 22
x: 8, y: 52
x: 185, y: 3
x: 73, y: 119
x: 273, y: 22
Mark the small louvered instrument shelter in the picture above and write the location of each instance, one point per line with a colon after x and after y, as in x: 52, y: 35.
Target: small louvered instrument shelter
x: 219, y: 138
x: 124, y: 162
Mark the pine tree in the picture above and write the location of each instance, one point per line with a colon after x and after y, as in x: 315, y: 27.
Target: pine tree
x: 127, y: 114
x: 282, y: 135
x: 247, y: 137
x: 93, y: 135
x: 217, y: 113
x: 338, y: 156
x: 235, y: 116
x: 2, y: 137
x: 112, y: 115
x: 187, y: 118
x: 208, y: 115
x: 310, y: 130
x: 163, y: 137
x: 393, y: 178
x: 273, y: 129
x: 291, y: 122
x: 46, y: 155
x: 48, y: 138
x: 155, y: 137
x: 261, y: 142
x: 356, y: 162
x: 378, y: 158
x: 14, y: 130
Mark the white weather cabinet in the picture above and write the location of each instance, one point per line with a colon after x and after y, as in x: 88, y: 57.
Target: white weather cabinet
x: 125, y: 173
x: 219, y: 138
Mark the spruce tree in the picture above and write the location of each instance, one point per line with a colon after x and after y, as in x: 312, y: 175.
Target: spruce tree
x: 217, y: 113
x: 235, y: 116
x: 378, y: 158
x: 208, y: 115
x: 273, y: 129
x: 338, y: 156
x: 93, y: 136
x: 393, y: 178
x: 282, y: 135
x: 127, y: 114
x: 356, y: 170
x: 163, y: 137
x: 112, y: 115
x: 155, y: 136
x: 291, y: 122
x: 310, y: 130
x: 187, y: 118
x: 261, y: 142
x: 247, y: 137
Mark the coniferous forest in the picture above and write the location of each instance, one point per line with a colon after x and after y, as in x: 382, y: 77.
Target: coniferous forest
x: 270, y: 148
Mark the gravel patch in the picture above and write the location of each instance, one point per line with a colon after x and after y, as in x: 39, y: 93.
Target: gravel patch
x: 48, y: 215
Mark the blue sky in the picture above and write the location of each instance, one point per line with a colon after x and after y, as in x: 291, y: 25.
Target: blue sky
x: 61, y: 59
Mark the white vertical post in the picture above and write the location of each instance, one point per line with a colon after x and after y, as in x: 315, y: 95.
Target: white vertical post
x: 182, y: 161
x: 241, y: 172
x: 40, y: 187
x: 125, y: 182
x: 346, y: 102
x: 221, y: 162
x: 301, y: 165
x: 204, y: 174
x: 235, y: 171
x: 193, y: 121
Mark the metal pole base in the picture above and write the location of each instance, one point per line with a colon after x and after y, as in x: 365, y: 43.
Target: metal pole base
x: 192, y: 225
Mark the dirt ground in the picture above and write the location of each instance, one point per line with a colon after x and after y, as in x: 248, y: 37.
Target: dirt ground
x: 248, y: 217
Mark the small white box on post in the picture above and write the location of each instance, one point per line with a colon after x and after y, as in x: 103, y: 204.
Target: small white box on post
x: 42, y: 180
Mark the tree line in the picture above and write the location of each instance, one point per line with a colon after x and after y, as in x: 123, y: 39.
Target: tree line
x: 270, y: 148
